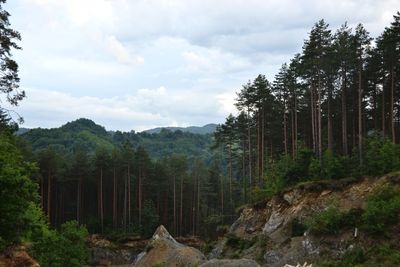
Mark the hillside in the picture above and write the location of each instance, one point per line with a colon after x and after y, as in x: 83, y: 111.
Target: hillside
x: 328, y: 223
x: 206, y: 129
x: 84, y: 133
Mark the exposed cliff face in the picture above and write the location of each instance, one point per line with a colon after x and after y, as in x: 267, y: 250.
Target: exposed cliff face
x: 267, y: 231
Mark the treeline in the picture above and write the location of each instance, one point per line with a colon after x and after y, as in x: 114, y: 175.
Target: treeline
x: 123, y: 190
x: 332, y: 111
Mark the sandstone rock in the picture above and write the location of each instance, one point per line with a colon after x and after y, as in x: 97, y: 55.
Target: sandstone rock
x: 230, y: 263
x: 164, y: 250
x: 17, y: 257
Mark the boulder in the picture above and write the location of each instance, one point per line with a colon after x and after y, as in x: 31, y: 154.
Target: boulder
x: 164, y: 250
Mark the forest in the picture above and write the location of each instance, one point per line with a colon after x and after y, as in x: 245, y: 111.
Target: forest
x: 332, y: 112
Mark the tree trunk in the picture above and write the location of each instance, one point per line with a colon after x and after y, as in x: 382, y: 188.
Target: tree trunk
x: 174, y: 184
x: 140, y: 196
x: 101, y: 201
x: 392, y: 124
x: 360, y: 92
x: 78, y: 201
x: 383, y: 112
x: 125, y: 201
x: 330, y: 133
x: 344, y: 113
x: 319, y: 119
x: 285, y: 142
x: 49, y: 196
x: 115, y: 200
x: 230, y: 176
x: 295, y: 124
x: 222, y: 198
x: 198, y: 206
x: 313, y: 119
x: 129, y: 196
x: 249, y: 144
x: 181, y: 209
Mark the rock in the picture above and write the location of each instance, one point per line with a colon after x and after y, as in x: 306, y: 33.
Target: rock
x: 164, y: 250
x: 104, y: 252
x: 273, y: 223
x: 17, y: 257
x: 272, y: 257
x: 230, y: 263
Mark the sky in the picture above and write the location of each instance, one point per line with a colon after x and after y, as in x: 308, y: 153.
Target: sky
x: 139, y: 64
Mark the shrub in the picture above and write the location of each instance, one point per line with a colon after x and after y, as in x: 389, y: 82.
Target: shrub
x: 62, y: 249
x: 383, y: 209
x: 386, y: 255
x: 382, y: 156
x: 328, y: 221
x: 237, y: 243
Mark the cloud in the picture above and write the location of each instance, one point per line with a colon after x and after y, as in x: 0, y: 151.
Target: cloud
x: 145, y: 109
x: 136, y: 64
x: 121, y: 53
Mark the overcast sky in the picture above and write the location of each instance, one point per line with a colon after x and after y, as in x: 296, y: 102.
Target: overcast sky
x: 138, y: 64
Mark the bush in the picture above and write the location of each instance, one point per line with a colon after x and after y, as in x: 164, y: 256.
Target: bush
x: 383, y: 209
x: 237, y: 243
x: 386, y: 255
x: 328, y: 221
x: 62, y: 249
x: 382, y: 156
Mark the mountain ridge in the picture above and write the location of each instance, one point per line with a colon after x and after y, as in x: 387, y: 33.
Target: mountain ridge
x: 205, y: 129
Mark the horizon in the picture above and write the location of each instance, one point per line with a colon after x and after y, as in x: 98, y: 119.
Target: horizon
x: 21, y: 126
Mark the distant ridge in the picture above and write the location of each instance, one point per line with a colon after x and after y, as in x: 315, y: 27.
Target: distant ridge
x: 206, y: 129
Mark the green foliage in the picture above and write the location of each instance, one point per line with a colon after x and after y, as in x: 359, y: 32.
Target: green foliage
x: 237, y: 243
x: 19, y: 213
x: 352, y: 258
x: 379, y: 255
x: 382, y: 156
x: 383, y: 209
x: 87, y: 135
x: 328, y: 221
x: 331, y: 167
x: 62, y: 249
x: 150, y: 218
x: 209, y: 246
x: 386, y: 255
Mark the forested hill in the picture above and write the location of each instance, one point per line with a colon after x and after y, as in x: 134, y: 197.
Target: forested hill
x: 206, y: 129
x: 85, y: 133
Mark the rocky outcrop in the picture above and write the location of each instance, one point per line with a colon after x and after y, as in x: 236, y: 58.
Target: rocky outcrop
x: 104, y: 252
x: 17, y: 257
x: 270, y: 231
x: 164, y: 250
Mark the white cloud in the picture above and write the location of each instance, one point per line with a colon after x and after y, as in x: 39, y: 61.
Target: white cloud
x: 121, y: 53
x: 145, y: 109
x: 89, y: 54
